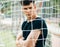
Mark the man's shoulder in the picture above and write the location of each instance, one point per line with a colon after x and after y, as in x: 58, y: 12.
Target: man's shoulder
x: 40, y: 19
x: 24, y: 22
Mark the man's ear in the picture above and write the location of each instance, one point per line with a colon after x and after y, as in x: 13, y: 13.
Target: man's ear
x: 40, y: 4
x: 35, y: 6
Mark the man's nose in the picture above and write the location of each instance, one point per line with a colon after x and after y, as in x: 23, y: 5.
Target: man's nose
x: 28, y: 11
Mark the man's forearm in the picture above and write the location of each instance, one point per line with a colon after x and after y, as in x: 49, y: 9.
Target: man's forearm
x: 33, y: 36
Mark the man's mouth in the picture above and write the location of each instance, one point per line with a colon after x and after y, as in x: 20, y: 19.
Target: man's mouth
x: 29, y: 14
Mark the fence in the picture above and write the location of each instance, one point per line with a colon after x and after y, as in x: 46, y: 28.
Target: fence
x: 11, y: 19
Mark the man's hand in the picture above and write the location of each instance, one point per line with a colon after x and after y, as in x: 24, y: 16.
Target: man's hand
x: 19, y: 40
x: 18, y: 44
x: 21, y: 43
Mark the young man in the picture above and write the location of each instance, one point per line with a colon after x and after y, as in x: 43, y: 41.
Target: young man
x: 34, y: 28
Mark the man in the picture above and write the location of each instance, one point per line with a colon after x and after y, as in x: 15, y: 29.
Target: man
x: 34, y: 28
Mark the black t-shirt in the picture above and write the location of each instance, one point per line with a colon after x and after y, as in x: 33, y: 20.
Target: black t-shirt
x: 38, y: 23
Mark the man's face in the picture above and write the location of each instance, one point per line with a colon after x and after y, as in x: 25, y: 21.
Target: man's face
x: 29, y: 10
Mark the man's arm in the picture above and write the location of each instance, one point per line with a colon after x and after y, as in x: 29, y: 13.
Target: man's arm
x: 19, y: 36
x: 32, y: 37
x: 19, y: 39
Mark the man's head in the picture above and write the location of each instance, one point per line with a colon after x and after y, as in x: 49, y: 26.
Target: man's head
x: 28, y: 7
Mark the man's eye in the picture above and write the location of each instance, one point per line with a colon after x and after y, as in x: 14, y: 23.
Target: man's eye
x: 25, y: 8
x: 30, y: 7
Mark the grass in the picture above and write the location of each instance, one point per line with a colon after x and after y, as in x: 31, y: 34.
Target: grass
x: 7, y: 38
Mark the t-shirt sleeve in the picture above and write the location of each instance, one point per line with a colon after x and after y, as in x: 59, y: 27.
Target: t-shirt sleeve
x: 44, y: 29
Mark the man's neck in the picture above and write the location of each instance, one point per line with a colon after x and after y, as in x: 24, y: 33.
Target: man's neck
x: 31, y: 18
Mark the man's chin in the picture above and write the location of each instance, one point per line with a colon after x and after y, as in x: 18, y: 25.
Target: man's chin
x: 29, y: 16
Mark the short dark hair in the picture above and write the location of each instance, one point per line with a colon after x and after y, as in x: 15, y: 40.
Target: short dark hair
x: 26, y: 2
